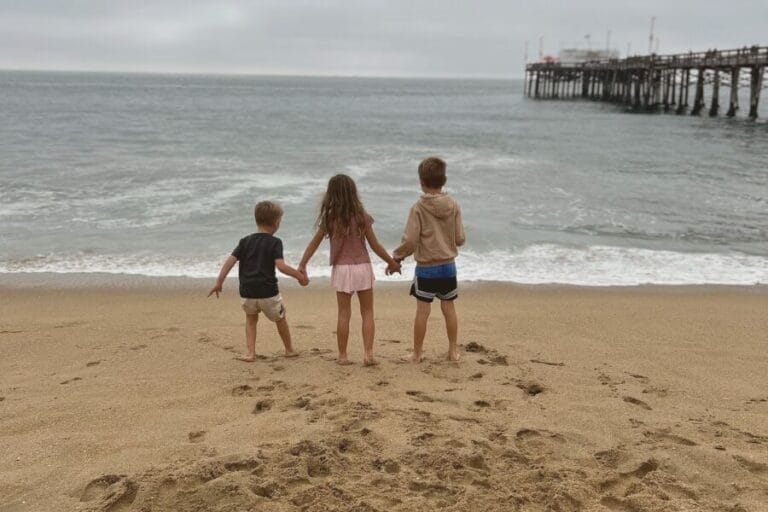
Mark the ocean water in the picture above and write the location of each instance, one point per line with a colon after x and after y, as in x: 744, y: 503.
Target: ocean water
x: 158, y: 174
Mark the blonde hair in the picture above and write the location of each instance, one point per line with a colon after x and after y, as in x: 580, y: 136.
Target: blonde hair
x: 267, y: 213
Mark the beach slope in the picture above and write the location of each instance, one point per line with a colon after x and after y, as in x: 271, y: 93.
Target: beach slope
x: 566, y: 399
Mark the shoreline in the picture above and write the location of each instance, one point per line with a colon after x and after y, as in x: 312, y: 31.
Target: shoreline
x: 99, y: 281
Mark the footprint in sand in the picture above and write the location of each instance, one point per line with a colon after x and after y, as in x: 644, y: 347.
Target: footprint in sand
x: 475, y: 376
x: 621, y: 484
x: 272, y: 385
x: 664, y: 435
x: 388, y: 465
x: 538, y: 443
x: 757, y: 468
x: 138, y: 347
x: 242, y: 390
x: 73, y: 379
x: 498, y: 436
x: 263, y: 405
x: 2, y: 398
x: 494, y: 360
x: 304, y: 326
x: 64, y: 325
x: 422, y: 439
x: 641, y: 378
x: 197, y: 436
x: 611, y: 458
x: 418, y: 396
x: 92, y: 363
x: 301, y: 402
x: 607, y: 380
x: 659, y: 392
x: 473, y: 346
x: 531, y: 388
x: 635, y: 401
x: 114, y: 492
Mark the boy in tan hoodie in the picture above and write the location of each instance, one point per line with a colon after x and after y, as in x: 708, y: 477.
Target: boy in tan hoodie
x: 433, y: 234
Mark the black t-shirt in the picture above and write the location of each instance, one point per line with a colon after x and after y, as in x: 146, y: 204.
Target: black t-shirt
x: 256, y: 254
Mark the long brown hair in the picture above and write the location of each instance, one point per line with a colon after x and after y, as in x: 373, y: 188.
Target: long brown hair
x: 341, y: 207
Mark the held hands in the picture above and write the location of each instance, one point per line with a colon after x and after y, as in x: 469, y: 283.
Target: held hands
x: 304, y: 279
x: 393, y: 267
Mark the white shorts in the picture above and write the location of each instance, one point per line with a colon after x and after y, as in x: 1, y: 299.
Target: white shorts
x: 272, y: 307
x: 352, y: 278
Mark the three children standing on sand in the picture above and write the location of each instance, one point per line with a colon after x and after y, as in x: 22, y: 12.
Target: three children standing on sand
x: 432, y: 234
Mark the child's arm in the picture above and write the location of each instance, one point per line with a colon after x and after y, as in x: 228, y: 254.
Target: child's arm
x: 460, y: 237
x: 310, y: 250
x: 225, y: 268
x: 410, y: 238
x: 288, y: 270
x: 392, y: 265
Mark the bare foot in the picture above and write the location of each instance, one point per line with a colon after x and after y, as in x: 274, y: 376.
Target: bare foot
x: 247, y: 358
x: 370, y: 361
x: 291, y: 353
x: 414, y: 357
x: 454, y: 356
x: 342, y: 360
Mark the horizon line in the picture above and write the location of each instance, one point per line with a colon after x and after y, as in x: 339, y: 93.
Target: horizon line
x: 260, y: 74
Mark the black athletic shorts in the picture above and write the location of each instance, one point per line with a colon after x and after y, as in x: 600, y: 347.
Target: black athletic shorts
x: 426, y: 289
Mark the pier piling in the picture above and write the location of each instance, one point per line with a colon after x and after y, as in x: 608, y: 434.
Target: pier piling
x: 655, y: 82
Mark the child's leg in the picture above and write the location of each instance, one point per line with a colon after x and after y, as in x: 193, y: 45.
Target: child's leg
x: 452, y: 328
x: 420, y: 329
x: 344, y: 302
x: 369, y: 327
x: 285, y: 335
x: 250, y: 337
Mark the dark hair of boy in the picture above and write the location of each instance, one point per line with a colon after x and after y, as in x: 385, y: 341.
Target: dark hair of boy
x: 432, y: 172
x: 267, y: 213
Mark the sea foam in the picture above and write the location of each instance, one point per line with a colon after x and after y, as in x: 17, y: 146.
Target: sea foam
x: 536, y: 264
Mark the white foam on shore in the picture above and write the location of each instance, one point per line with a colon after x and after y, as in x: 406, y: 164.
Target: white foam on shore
x: 537, y: 264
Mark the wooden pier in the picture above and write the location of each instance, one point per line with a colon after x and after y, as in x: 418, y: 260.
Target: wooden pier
x: 656, y: 82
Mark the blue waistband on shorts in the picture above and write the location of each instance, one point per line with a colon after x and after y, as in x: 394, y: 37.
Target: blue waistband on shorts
x: 437, y: 272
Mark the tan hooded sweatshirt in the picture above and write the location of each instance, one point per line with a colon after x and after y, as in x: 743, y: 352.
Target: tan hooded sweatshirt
x: 433, y: 231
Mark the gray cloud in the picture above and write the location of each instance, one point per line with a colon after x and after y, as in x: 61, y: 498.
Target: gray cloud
x: 353, y: 37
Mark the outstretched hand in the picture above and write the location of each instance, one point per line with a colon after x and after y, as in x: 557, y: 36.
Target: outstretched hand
x: 216, y: 289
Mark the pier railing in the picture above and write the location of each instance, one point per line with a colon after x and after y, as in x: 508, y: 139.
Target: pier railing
x: 651, y: 82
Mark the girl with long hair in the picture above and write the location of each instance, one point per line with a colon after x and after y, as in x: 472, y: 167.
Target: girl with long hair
x: 346, y: 224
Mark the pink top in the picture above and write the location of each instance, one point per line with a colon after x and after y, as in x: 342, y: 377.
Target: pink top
x: 349, y: 248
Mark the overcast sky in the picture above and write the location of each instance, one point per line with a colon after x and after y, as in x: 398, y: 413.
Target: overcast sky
x: 463, y: 38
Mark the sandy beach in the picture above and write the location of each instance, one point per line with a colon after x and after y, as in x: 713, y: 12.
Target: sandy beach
x: 567, y: 399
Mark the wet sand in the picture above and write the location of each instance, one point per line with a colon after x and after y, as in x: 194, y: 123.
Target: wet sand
x: 566, y: 399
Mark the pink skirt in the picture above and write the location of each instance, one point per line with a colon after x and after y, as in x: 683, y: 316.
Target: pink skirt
x: 352, y: 278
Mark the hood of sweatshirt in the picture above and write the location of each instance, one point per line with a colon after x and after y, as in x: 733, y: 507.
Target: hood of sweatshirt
x: 438, y: 205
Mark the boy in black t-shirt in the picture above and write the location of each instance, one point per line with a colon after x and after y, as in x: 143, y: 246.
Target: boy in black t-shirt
x: 259, y: 253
